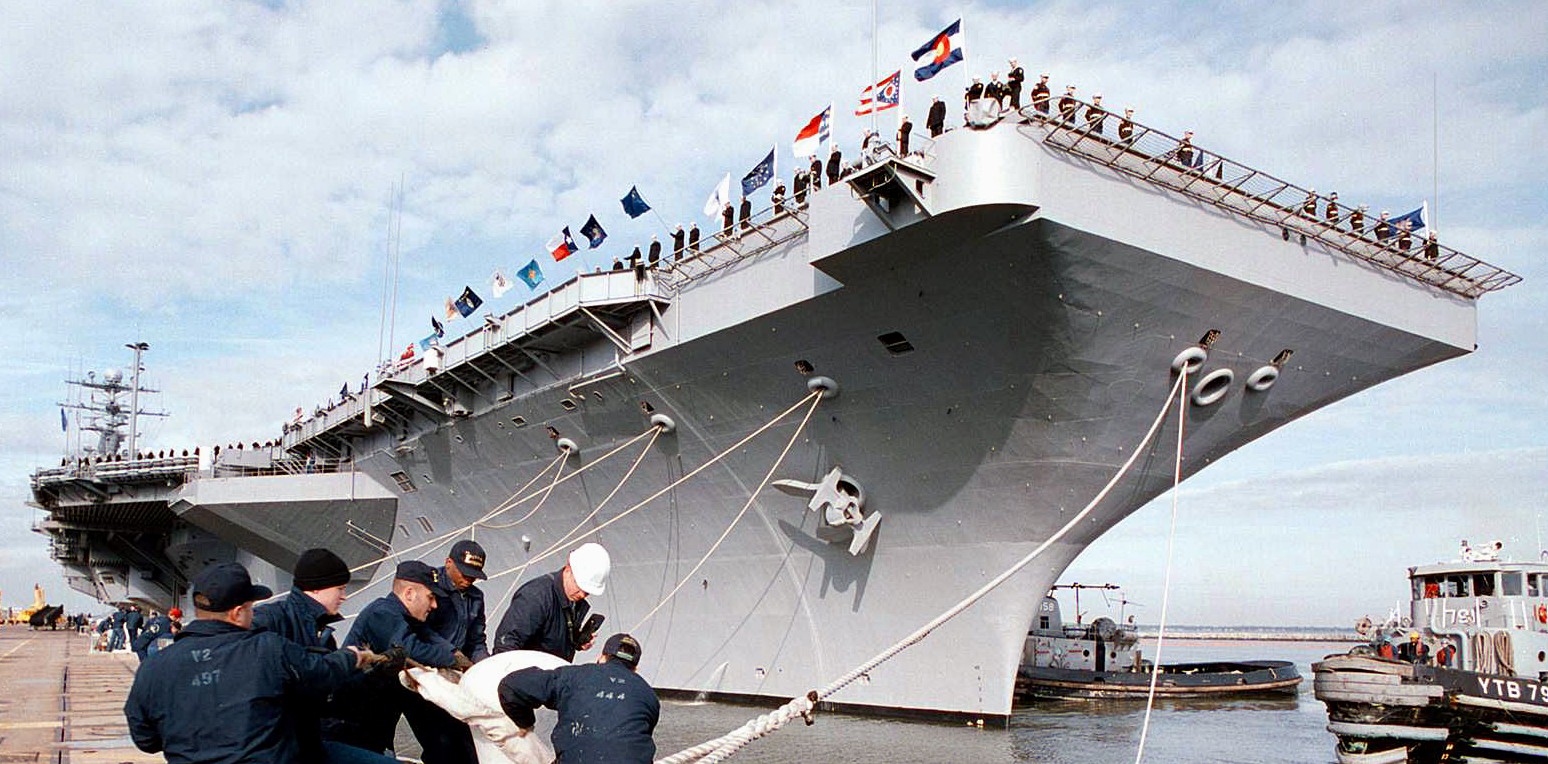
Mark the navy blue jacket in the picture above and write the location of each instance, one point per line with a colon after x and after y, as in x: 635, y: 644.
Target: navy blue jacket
x: 542, y: 618
x: 607, y: 713
x: 298, y: 618
x: 365, y: 713
x: 154, y: 628
x: 222, y: 693
x: 459, y: 617
x: 385, y: 623
x: 304, y: 621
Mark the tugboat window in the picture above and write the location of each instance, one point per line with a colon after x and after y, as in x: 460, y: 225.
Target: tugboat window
x: 1483, y: 584
x: 1532, y: 585
x: 1510, y: 584
x: 1456, y: 586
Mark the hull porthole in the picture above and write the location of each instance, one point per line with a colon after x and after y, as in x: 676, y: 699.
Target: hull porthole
x: 1262, y: 379
x: 1212, y: 387
x: 828, y: 387
x: 1191, y: 359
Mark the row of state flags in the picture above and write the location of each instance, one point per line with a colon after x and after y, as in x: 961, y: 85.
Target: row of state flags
x: 943, y: 50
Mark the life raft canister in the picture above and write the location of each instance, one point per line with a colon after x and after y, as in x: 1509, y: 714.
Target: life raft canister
x: 1542, y: 613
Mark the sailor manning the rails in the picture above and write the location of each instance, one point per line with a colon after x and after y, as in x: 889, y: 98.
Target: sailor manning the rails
x: 548, y: 613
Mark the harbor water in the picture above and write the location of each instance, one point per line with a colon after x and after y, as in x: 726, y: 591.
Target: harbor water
x: 1257, y: 730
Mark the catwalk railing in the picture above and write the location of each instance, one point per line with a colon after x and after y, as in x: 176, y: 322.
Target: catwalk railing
x: 1159, y: 158
x: 119, y: 470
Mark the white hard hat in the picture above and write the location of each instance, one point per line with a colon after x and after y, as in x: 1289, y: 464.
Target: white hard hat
x: 590, y: 564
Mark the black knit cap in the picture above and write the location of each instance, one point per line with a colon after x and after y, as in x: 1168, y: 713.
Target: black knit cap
x: 320, y: 569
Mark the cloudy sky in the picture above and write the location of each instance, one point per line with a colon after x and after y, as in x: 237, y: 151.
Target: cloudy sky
x: 215, y: 179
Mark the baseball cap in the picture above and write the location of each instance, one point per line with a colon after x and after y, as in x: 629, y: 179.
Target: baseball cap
x: 468, y: 556
x: 226, y: 585
x: 417, y: 572
x: 623, y: 647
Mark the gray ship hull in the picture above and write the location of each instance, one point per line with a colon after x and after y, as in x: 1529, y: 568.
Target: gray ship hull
x: 1043, y: 302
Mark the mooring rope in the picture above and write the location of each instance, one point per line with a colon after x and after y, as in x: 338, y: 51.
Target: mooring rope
x: 1166, y: 584
x: 504, y: 506
x: 751, y: 497
x: 539, y: 505
x: 648, y: 499
x: 724, y: 746
x: 522, y: 569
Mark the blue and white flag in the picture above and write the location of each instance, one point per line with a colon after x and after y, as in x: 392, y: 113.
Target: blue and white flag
x: 943, y: 50
x: 593, y: 232
x: 530, y: 274
x: 440, y: 331
x: 424, y: 343
x: 633, y: 203
x: 1414, y: 219
x: 467, y: 302
x: 759, y: 176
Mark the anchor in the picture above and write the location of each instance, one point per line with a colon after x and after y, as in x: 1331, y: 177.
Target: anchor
x: 839, y: 500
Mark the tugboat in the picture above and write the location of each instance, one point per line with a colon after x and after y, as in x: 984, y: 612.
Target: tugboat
x: 1468, y: 679
x: 1103, y: 660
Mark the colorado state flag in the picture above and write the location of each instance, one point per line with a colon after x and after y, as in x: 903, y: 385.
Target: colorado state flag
x: 943, y: 51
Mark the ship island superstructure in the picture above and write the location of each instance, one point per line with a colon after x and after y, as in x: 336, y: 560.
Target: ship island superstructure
x: 977, y: 334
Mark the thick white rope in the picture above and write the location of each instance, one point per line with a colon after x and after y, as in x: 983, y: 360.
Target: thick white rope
x: 522, y: 569
x: 535, y: 507
x: 455, y: 531
x: 565, y: 539
x: 504, y: 506
x: 722, y: 747
x: 751, y: 497
x: 648, y: 499
x: 1166, y: 585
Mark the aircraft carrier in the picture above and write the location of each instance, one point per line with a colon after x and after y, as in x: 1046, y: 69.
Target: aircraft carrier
x: 945, y: 354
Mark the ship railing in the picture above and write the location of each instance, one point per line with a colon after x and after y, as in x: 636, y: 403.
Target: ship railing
x: 583, y: 292
x: 1157, y: 157
x: 126, y: 471
x: 284, y: 466
x: 764, y: 230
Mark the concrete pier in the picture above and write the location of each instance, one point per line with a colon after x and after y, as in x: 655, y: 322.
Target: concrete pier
x: 62, y: 703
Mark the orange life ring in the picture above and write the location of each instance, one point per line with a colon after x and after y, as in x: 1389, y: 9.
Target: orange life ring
x: 1542, y: 613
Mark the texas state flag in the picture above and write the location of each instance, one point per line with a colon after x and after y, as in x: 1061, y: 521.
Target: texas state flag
x: 811, y: 137
x: 562, y: 245
x: 942, y: 51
